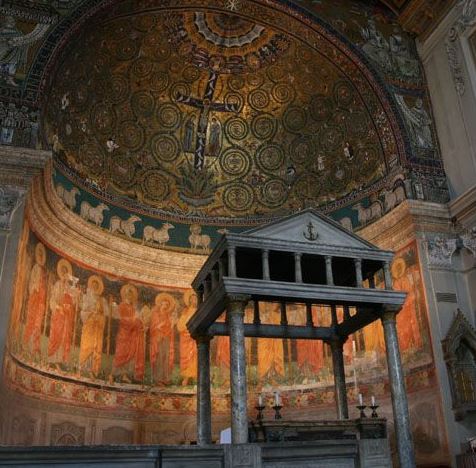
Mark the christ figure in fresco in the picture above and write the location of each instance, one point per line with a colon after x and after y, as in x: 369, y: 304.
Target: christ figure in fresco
x: 310, y: 353
x: 407, y: 323
x: 94, y: 309
x: 36, y: 306
x: 188, y: 349
x: 161, y: 348
x: 270, y: 351
x: 129, y: 358
x: 63, y: 304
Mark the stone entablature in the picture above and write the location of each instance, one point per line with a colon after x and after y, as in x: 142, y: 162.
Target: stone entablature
x: 17, y: 167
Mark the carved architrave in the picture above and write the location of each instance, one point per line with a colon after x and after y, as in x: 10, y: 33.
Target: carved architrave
x: 461, y: 372
x: 440, y: 251
x: 17, y: 167
x: 466, y: 19
x: 67, y: 433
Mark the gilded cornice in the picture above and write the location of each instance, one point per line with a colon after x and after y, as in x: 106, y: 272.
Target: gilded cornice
x: 84, y: 243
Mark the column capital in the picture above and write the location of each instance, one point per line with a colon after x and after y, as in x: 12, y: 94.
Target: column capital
x: 237, y: 299
x: 336, y: 341
x: 202, y: 339
x: 390, y: 313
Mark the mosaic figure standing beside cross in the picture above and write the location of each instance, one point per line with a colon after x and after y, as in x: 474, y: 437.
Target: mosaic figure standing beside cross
x: 205, y: 105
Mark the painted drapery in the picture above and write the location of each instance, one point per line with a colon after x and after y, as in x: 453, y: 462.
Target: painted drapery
x: 69, y: 320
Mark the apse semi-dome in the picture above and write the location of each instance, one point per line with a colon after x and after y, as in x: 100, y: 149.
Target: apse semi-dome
x: 200, y: 111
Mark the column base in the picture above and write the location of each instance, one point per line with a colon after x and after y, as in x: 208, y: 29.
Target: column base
x: 242, y: 456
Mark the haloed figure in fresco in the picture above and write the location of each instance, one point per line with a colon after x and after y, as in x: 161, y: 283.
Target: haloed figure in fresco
x: 404, y: 279
x: 94, y: 310
x: 188, y: 349
x: 129, y: 358
x: 161, y: 334
x: 270, y: 351
x: 36, y: 306
x: 64, y: 306
x: 310, y: 353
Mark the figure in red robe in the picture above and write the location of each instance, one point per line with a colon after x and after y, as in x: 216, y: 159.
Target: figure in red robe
x: 310, y: 353
x: 63, y: 303
x: 188, y: 348
x: 407, y: 279
x: 161, y: 348
x: 129, y: 358
x: 36, y: 306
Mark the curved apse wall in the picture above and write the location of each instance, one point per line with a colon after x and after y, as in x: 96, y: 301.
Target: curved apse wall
x: 67, y: 340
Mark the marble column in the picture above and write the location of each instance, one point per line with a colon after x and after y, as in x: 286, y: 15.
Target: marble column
x: 337, y: 349
x: 204, y: 413
x: 387, y: 275
x: 297, y: 267
x: 358, y: 272
x: 265, y: 264
x: 239, y: 416
x: 329, y: 275
x: 231, y: 262
x: 398, y: 392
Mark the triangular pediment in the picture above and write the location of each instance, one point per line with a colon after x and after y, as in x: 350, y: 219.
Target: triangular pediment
x: 312, y: 227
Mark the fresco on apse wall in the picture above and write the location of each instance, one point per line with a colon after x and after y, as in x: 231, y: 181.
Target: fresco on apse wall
x: 69, y: 320
x: 82, y: 328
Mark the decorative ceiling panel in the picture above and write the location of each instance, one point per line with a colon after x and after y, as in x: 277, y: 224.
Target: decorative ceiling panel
x: 205, y: 112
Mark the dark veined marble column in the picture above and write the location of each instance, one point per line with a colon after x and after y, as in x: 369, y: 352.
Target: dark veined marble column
x: 337, y: 349
x: 358, y: 272
x: 204, y: 412
x: 387, y: 275
x: 239, y: 416
x: 398, y: 392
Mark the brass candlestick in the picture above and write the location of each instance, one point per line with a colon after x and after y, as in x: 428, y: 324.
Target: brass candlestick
x: 374, y: 411
x: 362, y: 408
x: 260, y: 415
x: 277, y: 414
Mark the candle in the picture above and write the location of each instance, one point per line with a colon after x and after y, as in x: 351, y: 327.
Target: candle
x: 353, y: 347
x: 373, y: 400
x: 260, y: 400
x: 361, y: 402
x: 276, y: 398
